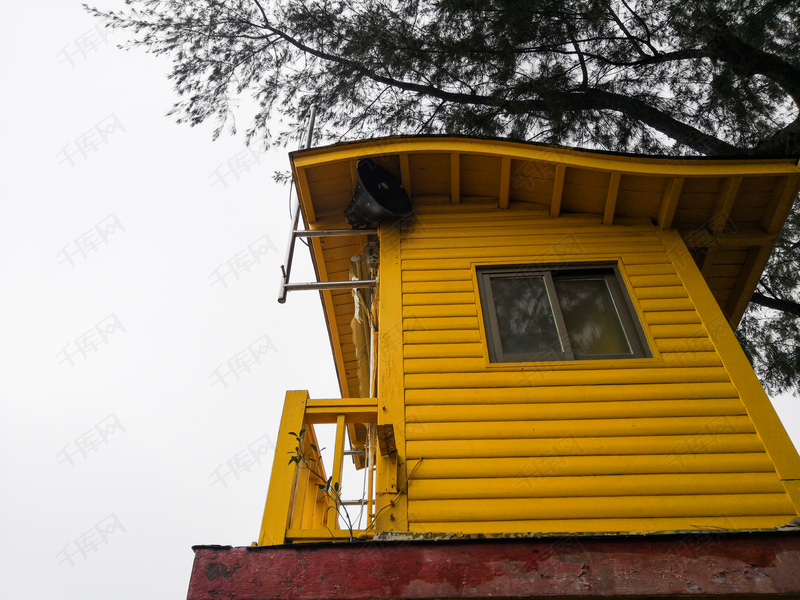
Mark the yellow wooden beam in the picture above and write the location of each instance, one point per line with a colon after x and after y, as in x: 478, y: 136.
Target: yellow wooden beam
x: 707, y: 260
x: 746, y: 283
x: 548, y: 154
x: 336, y: 473
x: 405, y: 174
x: 343, y: 403
x: 669, y: 201
x: 558, y: 190
x: 723, y: 204
x: 766, y: 421
x: 455, y: 178
x: 611, y: 199
x: 324, y: 535
x: 308, y: 504
x: 745, y: 236
x: 357, y: 410
x: 353, y: 175
x: 391, y: 508
x: 282, y: 480
x: 780, y: 204
x: 505, y: 181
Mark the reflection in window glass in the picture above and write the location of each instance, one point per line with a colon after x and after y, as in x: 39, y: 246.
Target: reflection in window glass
x: 534, y: 313
x: 524, y: 316
x: 593, y: 325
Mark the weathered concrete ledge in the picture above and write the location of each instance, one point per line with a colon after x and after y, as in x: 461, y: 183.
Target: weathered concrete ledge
x: 723, y: 565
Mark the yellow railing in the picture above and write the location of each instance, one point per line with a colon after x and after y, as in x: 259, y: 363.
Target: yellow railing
x: 297, y: 510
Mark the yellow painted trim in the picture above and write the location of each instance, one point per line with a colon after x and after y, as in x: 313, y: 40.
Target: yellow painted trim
x: 589, y: 160
x: 282, y: 480
x: 765, y: 420
x: 391, y: 509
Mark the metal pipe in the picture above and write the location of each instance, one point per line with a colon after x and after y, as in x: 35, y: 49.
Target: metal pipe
x: 330, y: 285
x: 334, y: 232
x: 312, y: 115
x: 286, y: 268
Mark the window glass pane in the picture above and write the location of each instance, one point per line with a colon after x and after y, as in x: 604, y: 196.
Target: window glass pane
x: 524, y: 317
x: 592, y: 322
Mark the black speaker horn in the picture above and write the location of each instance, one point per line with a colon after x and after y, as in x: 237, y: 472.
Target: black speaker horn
x: 379, y: 196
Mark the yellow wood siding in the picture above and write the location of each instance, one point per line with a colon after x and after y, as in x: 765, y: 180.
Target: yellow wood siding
x: 645, y: 444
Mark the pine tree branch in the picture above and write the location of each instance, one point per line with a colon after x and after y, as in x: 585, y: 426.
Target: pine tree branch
x: 786, y: 141
x: 788, y: 306
x: 592, y: 99
x: 748, y: 60
x: 687, y: 135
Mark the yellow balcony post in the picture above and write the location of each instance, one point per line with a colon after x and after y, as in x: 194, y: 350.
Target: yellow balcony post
x: 282, y: 481
x: 336, y: 481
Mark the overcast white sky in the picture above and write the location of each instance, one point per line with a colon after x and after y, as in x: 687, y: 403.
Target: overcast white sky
x: 139, y: 265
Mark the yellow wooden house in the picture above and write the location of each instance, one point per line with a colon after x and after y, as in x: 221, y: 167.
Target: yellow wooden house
x: 544, y: 346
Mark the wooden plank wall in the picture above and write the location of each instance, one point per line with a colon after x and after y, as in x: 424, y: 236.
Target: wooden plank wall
x: 639, y: 445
